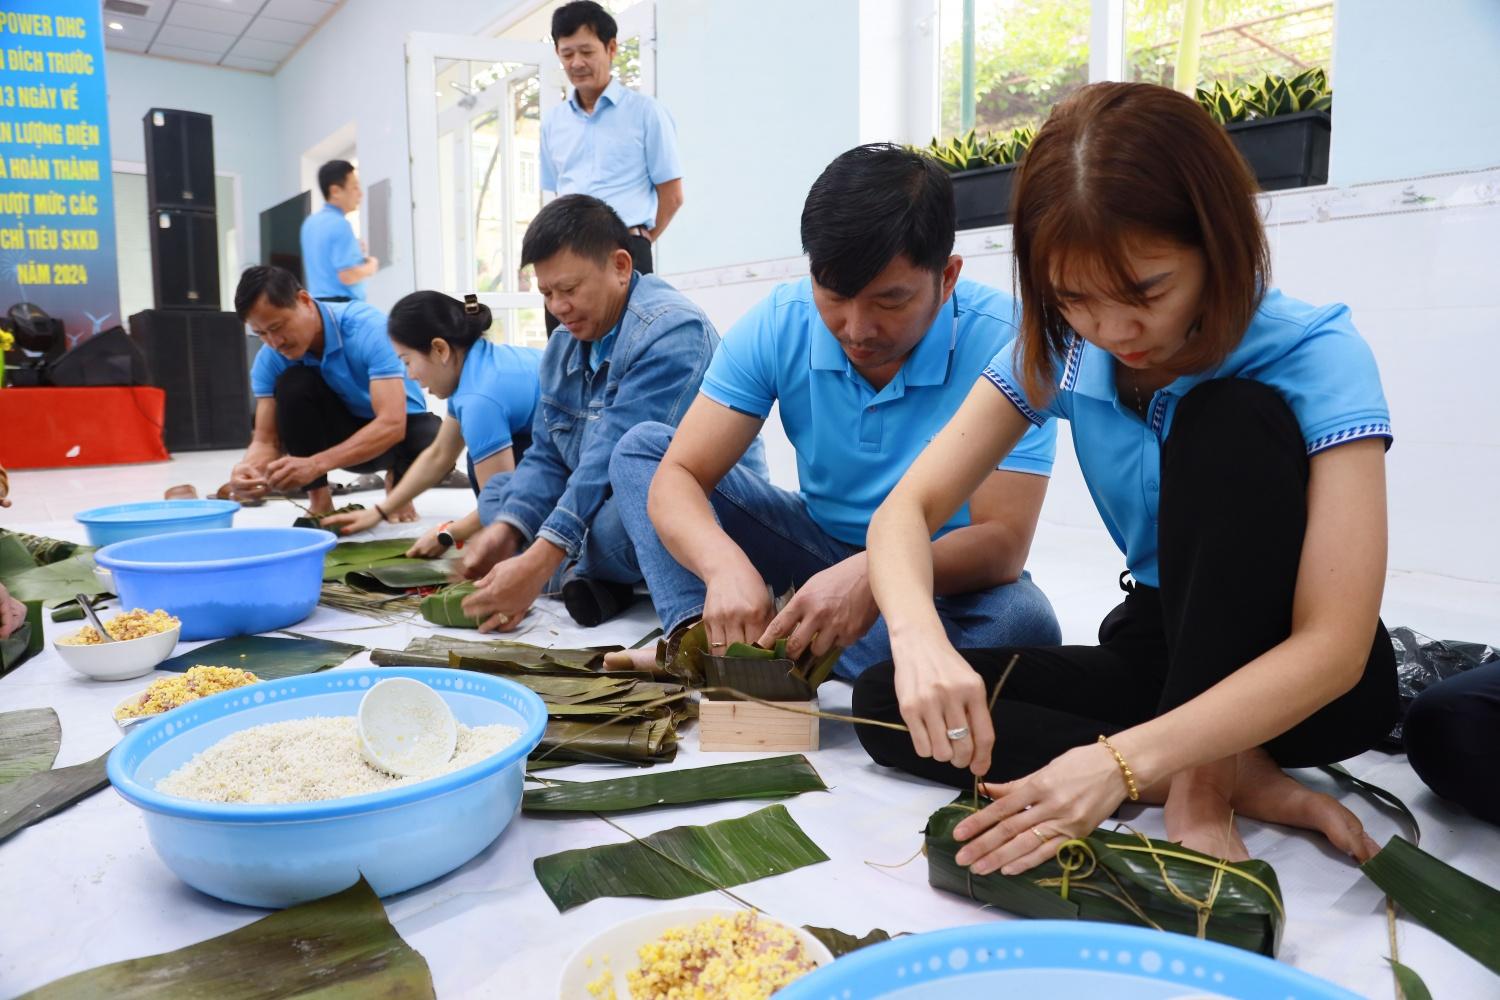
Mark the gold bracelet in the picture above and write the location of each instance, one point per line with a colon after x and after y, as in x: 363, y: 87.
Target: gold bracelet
x: 1125, y: 771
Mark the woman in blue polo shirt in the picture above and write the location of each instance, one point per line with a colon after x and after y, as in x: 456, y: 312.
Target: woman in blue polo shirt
x: 491, y: 391
x: 1233, y: 440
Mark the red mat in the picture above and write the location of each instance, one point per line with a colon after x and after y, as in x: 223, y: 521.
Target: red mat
x: 109, y: 425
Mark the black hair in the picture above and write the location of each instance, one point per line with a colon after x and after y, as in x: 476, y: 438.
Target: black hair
x: 583, y: 14
x: 278, y: 285
x: 577, y: 222
x: 421, y: 317
x: 331, y: 173
x: 869, y: 205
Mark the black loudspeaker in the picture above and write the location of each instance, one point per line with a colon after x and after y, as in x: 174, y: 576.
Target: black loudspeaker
x: 198, y: 358
x: 107, y: 358
x: 185, y: 259
x: 179, y: 160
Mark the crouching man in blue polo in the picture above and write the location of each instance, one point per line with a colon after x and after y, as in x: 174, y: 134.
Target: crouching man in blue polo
x: 867, y: 358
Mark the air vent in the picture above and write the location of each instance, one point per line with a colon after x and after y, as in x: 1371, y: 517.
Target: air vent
x: 132, y: 7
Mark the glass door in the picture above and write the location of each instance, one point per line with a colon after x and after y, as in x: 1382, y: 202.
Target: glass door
x: 475, y: 108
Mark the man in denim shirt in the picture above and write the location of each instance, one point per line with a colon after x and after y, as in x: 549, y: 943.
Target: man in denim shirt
x: 632, y: 349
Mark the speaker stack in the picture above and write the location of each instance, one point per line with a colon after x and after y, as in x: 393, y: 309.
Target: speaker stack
x: 194, y: 351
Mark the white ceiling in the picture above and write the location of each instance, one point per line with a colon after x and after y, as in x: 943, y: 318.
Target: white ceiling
x: 254, y: 35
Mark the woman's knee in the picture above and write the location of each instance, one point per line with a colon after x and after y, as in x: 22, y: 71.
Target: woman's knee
x: 875, y: 698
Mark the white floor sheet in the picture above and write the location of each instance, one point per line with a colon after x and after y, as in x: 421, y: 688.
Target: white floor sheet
x: 85, y: 887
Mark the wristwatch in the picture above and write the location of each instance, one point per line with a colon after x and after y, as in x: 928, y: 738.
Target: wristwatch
x: 445, y: 537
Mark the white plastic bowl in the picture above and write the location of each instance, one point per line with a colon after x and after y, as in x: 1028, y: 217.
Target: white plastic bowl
x: 406, y: 728
x: 121, y: 660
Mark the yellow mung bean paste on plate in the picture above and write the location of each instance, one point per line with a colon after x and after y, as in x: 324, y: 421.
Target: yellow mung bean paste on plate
x: 174, y: 692
x: 739, y: 957
x: 135, y: 624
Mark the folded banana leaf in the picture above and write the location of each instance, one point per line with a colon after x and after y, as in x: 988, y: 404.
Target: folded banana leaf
x: 640, y: 742
x: 341, y: 946
x: 52, y: 583
x: 750, y: 779
x: 840, y: 943
x: 770, y: 678
x: 267, y: 657
x: 681, y: 861
x: 45, y: 550
x: 1457, y: 907
x: 38, y: 795
x: 316, y: 520
x: 445, y: 607
x: 346, y: 557
x: 29, y: 741
x: 1123, y: 878
x: 25, y: 642
x: 398, y: 575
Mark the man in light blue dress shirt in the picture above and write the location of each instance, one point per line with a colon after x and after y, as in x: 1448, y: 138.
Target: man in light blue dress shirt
x: 333, y: 261
x: 607, y: 140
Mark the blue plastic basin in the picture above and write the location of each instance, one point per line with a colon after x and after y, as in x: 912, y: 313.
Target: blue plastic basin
x: 226, y: 582
x: 1060, y: 960
x: 120, y: 522
x: 280, y: 855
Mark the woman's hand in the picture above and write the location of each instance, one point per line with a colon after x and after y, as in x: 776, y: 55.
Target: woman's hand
x: 940, y: 693
x: 1032, y: 816
x: 426, y: 547
x: 353, y: 522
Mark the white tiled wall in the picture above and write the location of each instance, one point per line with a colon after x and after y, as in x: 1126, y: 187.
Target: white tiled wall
x: 1418, y: 261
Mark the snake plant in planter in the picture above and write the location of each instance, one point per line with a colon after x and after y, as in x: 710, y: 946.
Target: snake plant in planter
x: 983, y: 169
x: 1280, y: 126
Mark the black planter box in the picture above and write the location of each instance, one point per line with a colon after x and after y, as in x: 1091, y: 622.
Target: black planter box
x: 1289, y: 151
x: 982, y: 197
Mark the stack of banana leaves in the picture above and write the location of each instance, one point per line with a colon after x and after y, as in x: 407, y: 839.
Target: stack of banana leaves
x: 375, y: 578
x: 1123, y: 878
x: 768, y: 674
x: 620, y: 717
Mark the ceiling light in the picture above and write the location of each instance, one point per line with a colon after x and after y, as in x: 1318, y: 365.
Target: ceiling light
x: 116, y: 26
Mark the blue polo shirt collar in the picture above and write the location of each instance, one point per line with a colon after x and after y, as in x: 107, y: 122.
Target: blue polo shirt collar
x: 333, y: 337
x: 1090, y: 371
x: 928, y: 363
x: 611, y: 94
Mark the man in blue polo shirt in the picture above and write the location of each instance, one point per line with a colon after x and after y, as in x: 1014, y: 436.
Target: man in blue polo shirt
x: 333, y: 260
x: 867, y: 359
x: 607, y: 140
x: 330, y: 393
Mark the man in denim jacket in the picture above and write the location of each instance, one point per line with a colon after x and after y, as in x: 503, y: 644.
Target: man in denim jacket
x: 631, y: 349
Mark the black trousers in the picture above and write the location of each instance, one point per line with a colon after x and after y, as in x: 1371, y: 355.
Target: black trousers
x: 1234, y: 474
x: 640, y: 256
x: 310, y: 417
x: 1453, y: 739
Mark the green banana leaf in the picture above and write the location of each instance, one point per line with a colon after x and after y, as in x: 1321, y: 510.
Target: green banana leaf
x: 1457, y: 907
x: 761, y: 677
x: 44, y: 550
x: 25, y: 642
x: 681, y: 861
x: 1123, y: 883
x: 38, y: 795
x: 348, y: 556
x: 267, y: 657
x: 341, y: 947
x: 52, y: 583
x: 1412, y: 987
x: 29, y: 741
x: 641, y: 742
x: 446, y: 607
x: 749, y: 779
x: 840, y: 943
x: 403, y: 574
x: 316, y: 520
x: 1381, y: 797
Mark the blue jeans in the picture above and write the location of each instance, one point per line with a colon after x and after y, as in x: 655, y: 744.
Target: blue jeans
x: 607, y: 552
x: 787, y: 546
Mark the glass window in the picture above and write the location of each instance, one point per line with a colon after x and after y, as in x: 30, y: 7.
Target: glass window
x: 1235, y: 41
x: 1005, y: 63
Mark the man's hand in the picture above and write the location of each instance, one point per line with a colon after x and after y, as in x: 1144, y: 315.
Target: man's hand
x: 247, y: 481
x: 291, y: 471
x: 833, y: 608
x: 12, y: 613
x: 502, y: 598
x: 737, y: 605
x: 497, y: 542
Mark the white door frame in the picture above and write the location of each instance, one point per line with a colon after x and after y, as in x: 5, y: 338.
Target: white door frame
x: 423, y: 50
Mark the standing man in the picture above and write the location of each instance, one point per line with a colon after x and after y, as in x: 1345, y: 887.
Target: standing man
x: 607, y: 140
x: 868, y: 358
x: 334, y: 262
x: 330, y: 393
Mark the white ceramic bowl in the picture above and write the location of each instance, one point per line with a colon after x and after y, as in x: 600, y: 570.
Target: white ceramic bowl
x: 118, y: 661
x: 618, y: 946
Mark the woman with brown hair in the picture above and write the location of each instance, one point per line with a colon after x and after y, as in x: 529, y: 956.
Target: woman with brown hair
x: 1233, y: 440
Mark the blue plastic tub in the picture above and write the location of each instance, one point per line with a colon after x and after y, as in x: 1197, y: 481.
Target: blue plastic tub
x: 221, y: 583
x: 120, y: 522
x: 281, y: 855
x: 1060, y: 960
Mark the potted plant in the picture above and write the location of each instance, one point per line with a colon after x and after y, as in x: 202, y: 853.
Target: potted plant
x: 983, y: 169
x: 1281, y: 127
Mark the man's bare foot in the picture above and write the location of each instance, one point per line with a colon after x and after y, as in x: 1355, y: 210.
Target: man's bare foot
x: 1199, y: 815
x: 320, y: 500
x: 631, y: 659
x: 1265, y: 792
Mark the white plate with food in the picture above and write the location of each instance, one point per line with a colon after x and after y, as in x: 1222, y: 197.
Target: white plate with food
x: 650, y: 949
x: 176, y: 690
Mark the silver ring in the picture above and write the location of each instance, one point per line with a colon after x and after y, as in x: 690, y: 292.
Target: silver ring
x: 957, y: 734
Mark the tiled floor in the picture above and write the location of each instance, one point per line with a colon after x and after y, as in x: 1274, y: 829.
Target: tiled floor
x: 98, y: 892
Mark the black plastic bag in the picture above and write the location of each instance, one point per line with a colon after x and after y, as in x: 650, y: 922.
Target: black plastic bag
x: 1422, y: 662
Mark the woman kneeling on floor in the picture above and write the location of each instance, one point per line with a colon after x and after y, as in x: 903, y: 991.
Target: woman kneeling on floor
x: 1233, y: 439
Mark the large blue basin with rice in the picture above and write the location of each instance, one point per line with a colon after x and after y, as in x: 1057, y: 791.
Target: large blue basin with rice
x: 237, y: 581
x: 280, y: 855
x: 123, y: 521
x: 1061, y: 960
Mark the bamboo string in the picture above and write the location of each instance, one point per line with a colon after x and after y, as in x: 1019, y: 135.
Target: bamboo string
x: 1390, y: 927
